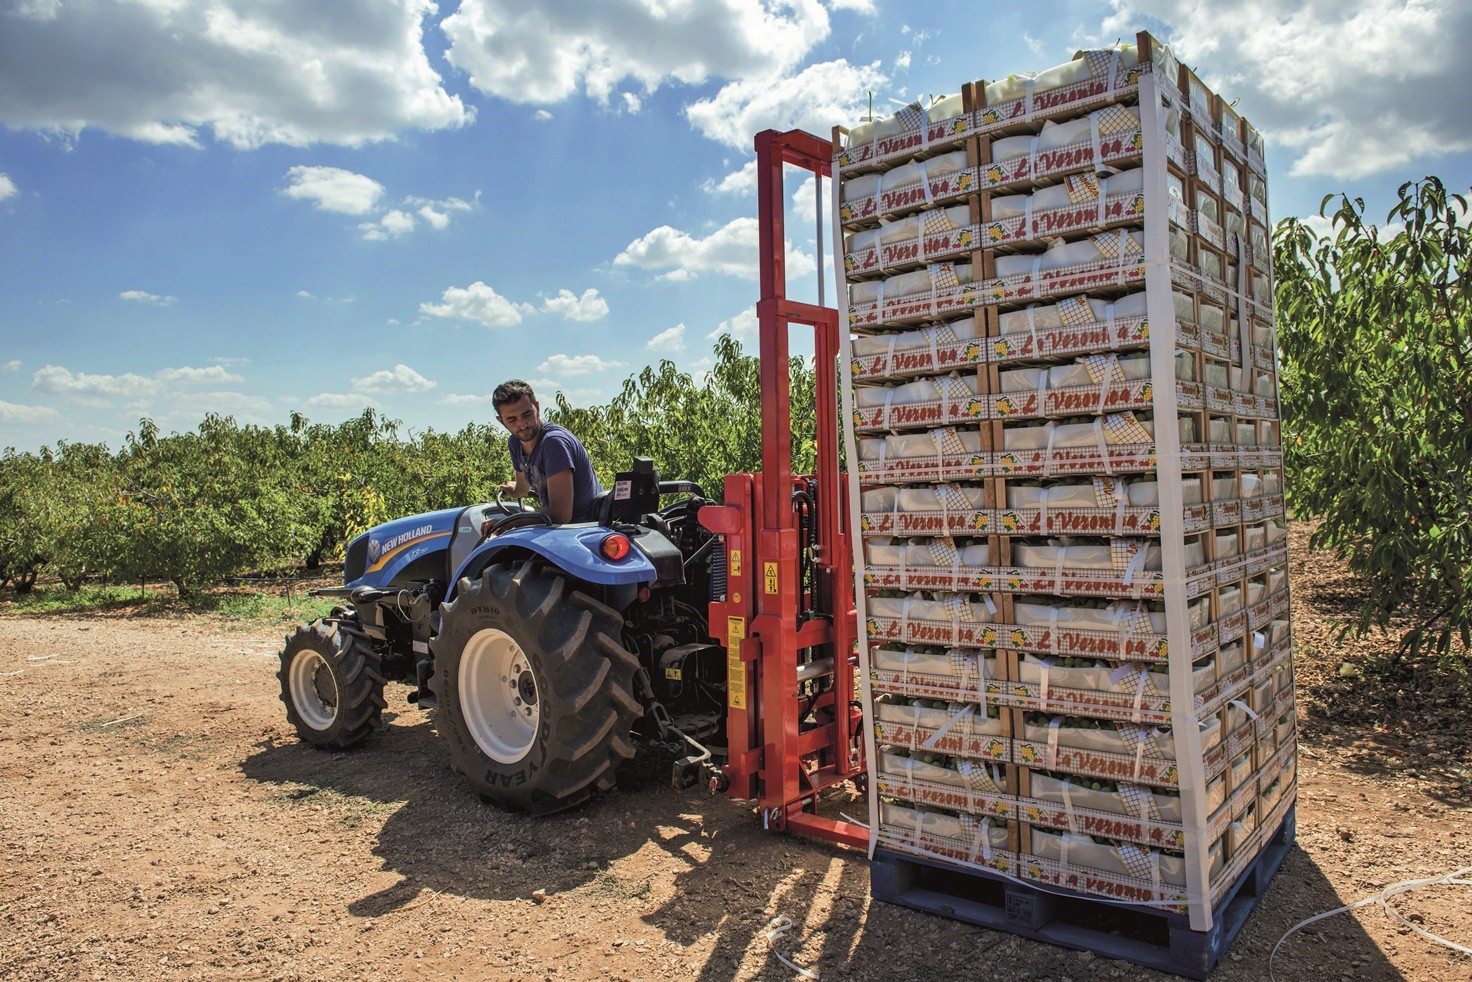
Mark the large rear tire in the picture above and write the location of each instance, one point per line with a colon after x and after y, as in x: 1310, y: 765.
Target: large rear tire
x: 332, y: 684
x: 535, y: 691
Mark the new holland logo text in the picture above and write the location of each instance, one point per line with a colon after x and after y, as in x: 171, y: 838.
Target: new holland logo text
x: 376, y: 548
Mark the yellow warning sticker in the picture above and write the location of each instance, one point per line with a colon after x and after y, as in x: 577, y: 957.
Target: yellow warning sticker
x: 735, y: 629
x: 735, y: 676
x: 673, y: 673
x: 734, y: 562
x: 769, y: 576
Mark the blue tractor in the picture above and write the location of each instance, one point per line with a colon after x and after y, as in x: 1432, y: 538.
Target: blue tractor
x: 543, y: 650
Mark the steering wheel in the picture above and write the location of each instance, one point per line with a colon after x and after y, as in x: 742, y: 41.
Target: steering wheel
x: 527, y: 516
x: 502, y: 504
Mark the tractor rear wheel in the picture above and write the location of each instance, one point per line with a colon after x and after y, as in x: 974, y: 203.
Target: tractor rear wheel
x: 331, y: 683
x: 535, y: 691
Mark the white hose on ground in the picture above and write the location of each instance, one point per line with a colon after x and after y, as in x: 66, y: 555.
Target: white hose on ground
x: 1457, y: 878
x: 777, y: 927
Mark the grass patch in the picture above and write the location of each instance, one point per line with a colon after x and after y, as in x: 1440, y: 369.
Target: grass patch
x: 244, y: 608
x: 348, y: 809
x: 249, y: 610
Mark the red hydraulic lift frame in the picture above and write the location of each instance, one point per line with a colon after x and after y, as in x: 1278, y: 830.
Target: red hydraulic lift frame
x: 787, y: 743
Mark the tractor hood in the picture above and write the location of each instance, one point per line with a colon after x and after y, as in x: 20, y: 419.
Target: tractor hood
x: 398, y: 543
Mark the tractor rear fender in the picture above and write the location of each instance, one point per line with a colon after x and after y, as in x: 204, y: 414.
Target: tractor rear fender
x: 574, y: 549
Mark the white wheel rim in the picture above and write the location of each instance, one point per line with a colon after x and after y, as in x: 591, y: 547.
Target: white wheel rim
x: 313, y: 689
x: 498, y: 696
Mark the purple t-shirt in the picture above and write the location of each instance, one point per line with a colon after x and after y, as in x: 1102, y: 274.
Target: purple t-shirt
x: 558, y: 450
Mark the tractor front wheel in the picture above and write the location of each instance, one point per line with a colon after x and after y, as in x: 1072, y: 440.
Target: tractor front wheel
x: 332, y: 684
x: 535, y: 691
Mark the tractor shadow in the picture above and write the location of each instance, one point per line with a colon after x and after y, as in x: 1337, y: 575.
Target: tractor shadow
x: 438, y: 835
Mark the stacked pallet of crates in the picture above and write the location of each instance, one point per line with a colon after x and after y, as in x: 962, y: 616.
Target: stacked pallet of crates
x: 1062, y: 402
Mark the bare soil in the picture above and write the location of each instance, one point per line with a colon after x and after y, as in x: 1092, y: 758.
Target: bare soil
x: 158, y: 817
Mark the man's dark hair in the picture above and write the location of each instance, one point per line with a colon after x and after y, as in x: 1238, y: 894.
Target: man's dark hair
x: 512, y: 390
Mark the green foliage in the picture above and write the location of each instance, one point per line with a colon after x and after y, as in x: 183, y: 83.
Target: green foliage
x: 693, y: 431
x: 1376, y: 338
x: 227, y: 499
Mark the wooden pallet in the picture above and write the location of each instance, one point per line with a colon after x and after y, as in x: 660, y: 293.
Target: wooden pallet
x: 1155, y: 939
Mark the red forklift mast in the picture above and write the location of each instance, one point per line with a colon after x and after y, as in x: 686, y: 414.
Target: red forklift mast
x: 787, y: 620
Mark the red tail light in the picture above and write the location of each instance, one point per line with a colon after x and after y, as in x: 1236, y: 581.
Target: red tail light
x: 614, y: 546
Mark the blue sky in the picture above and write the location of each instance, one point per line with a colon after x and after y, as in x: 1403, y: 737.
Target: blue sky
x: 253, y: 207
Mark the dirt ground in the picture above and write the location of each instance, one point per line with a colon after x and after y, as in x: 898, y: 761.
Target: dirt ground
x: 157, y: 817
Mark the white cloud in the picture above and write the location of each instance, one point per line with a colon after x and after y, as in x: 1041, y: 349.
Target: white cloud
x: 632, y: 103
x: 1350, y: 89
x: 211, y: 374
x: 742, y: 327
x: 1035, y: 45
x: 13, y: 413
x: 10, y: 366
x: 401, y: 378
x: 805, y: 205
x: 393, y: 224
x: 141, y: 296
x: 541, y: 115
x: 862, y: 6
x: 97, y: 389
x: 305, y: 295
x: 816, y: 99
x: 7, y: 187
x: 577, y: 365
x: 588, y: 307
x: 333, y: 189
x: 731, y: 249
x: 348, y: 73
x: 466, y: 399
x: 544, y: 52
x: 339, y: 400
x: 476, y: 302
x: 668, y: 341
x: 902, y: 62
x: 60, y: 381
x: 741, y: 181
x: 437, y: 219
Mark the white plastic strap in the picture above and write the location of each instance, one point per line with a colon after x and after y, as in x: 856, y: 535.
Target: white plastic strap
x: 1133, y: 569
x: 983, y: 840
x: 1032, y: 158
x: 924, y: 180
x: 1068, y: 805
x: 1108, y: 380
x: 1102, y: 444
x: 1043, y: 509
x: 1032, y: 327
x: 1027, y: 226
x: 1095, y: 143
x: 1103, y: 195
x: 1119, y: 507
x: 1137, y: 716
x: 888, y: 401
x: 1114, y: 66
x: 991, y: 606
x: 1245, y: 708
x: 935, y: 737
x: 1044, y: 664
x: 1109, y: 319
x: 1050, y: 759
x: 1139, y: 755
x: 1029, y: 96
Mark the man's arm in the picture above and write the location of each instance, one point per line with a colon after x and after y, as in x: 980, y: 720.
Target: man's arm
x: 516, y: 488
x: 559, y: 497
